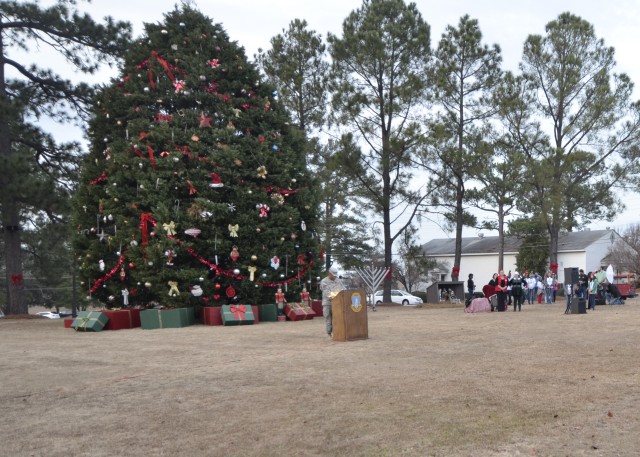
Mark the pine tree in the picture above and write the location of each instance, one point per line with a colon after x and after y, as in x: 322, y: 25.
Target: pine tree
x: 37, y: 172
x: 196, y: 190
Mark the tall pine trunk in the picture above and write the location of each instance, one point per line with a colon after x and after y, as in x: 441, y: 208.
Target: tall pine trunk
x: 10, y: 213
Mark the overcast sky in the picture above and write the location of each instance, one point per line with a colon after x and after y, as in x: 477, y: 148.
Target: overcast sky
x: 252, y: 23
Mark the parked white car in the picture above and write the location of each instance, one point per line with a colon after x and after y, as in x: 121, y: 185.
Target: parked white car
x: 398, y: 296
x: 48, y: 315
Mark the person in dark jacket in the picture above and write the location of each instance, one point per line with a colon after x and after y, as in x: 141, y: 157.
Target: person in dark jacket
x: 470, y: 285
x: 517, y: 291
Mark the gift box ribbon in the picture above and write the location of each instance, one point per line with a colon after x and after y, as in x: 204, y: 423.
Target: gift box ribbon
x: 238, y: 311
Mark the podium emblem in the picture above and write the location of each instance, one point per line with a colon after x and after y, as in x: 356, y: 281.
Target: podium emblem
x: 356, y: 302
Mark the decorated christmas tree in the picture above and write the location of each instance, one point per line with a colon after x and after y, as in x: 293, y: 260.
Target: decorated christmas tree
x: 195, y: 190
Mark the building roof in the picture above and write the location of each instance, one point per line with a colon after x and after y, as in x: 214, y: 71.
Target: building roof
x: 570, y: 241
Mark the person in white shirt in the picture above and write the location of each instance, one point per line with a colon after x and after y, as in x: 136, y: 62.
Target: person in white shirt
x: 531, y: 288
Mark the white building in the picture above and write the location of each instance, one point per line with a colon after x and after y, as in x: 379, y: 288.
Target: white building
x: 586, y: 249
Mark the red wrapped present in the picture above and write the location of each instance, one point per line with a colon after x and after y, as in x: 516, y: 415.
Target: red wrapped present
x: 297, y: 312
x: 211, y: 315
x: 122, y: 318
x: 316, y: 306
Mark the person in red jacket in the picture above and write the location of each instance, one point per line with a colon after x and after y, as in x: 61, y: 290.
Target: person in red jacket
x: 502, y: 282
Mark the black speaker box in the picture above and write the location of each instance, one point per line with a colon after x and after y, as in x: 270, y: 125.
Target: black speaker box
x: 571, y: 276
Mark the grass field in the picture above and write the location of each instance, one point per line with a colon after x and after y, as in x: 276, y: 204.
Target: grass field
x: 428, y: 382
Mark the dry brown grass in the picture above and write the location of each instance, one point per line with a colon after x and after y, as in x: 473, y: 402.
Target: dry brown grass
x: 429, y: 382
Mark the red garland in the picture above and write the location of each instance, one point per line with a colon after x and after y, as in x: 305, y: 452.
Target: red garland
x: 99, y: 282
x: 228, y: 274
x: 285, y: 192
x: 100, y: 178
x: 151, y: 157
x: 165, y: 65
x: 145, y: 219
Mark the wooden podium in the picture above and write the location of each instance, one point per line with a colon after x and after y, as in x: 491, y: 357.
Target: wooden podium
x: 349, y: 311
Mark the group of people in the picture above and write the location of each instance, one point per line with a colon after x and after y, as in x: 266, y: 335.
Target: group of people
x: 595, y: 289
x: 514, y: 289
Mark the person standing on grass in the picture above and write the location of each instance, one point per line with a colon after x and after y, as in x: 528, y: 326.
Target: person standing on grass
x: 518, y: 287
x: 502, y: 282
x: 329, y: 286
x: 548, y: 288
x: 470, y: 286
x: 592, y: 290
x: 582, y: 284
x: 531, y: 288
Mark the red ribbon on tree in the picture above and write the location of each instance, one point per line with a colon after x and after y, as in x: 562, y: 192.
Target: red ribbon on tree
x: 99, y: 282
x: 455, y: 271
x: 554, y: 268
x: 238, y: 311
x: 151, y: 157
x: 165, y: 65
x: 145, y: 220
x: 16, y: 280
x: 100, y: 178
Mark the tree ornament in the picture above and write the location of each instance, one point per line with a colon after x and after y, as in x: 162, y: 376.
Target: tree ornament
x: 170, y: 228
x: 215, y: 181
x: 234, y: 254
x: 173, y: 288
x: 196, y: 291
x: 132, y: 265
x: 233, y: 230
x: 101, y: 264
x: 254, y: 257
x: 217, y: 286
x: 194, y: 232
x: 205, y: 121
x: 123, y: 274
x: 275, y: 262
x: 230, y: 292
x: 278, y: 198
x: 147, y: 284
x: 303, y: 226
x: 125, y: 297
x: 263, y: 209
x: 236, y: 271
x: 169, y: 254
x: 252, y: 271
x: 262, y: 172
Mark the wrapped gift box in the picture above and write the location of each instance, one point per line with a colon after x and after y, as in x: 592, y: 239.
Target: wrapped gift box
x: 167, y: 318
x: 268, y: 313
x: 316, y: 306
x: 90, y: 321
x: 211, y: 315
x: 297, y: 312
x: 122, y: 318
x: 237, y: 315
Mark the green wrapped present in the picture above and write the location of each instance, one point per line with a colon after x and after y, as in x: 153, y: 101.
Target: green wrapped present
x: 237, y: 315
x: 90, y: 321
x: 167, y: 318
x: 268, y: 312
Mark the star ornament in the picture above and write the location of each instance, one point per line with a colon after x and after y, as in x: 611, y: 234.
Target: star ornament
x: 205, y: 121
